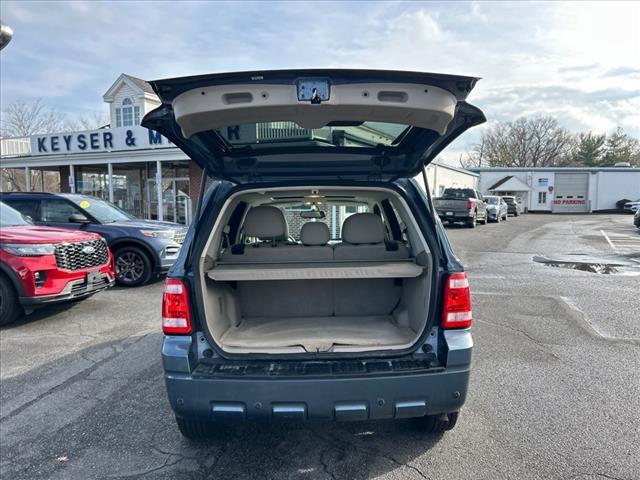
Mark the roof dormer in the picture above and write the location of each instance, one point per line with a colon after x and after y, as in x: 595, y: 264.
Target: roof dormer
x: 129, y: 99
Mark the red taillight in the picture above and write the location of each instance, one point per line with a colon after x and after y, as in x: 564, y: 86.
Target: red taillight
x: 176, y: 316
x: 457, y: 302
x: 469, y: 204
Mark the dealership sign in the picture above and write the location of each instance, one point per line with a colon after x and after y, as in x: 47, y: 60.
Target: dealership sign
x: 95, y: 141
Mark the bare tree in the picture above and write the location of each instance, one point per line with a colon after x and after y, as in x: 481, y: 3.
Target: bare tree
x: 21, y: 119
x: 525, y: 142
x: 475, y: 156
x: 91, y: 122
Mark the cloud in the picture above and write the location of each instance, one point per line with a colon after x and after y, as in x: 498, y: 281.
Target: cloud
x: 622, y: 72
x: 579, y: 68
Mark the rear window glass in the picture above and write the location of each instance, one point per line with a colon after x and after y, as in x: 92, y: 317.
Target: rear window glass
x: 459, y: 193
x: 334, y: 217
x: 348, y: 134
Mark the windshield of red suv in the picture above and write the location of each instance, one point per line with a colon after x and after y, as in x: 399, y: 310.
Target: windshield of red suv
x: 10, y: 217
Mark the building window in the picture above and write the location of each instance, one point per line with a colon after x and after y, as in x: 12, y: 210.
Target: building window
x: 128, y: 115
x: 542, y: 197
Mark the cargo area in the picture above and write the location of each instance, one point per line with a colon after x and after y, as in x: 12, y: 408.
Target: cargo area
x: 275, y: 284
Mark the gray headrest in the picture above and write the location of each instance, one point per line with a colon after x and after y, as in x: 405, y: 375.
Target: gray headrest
x: 314, y: 233
x: 363, y: 228
x: 266, y: 223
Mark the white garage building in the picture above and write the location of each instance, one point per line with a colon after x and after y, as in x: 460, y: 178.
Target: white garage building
x: 441, y: 175
x: 562, y: 190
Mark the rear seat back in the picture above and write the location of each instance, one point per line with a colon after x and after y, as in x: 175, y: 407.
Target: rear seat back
x: 267, y: 224
x: 314, y: 239
x: 363, y: 239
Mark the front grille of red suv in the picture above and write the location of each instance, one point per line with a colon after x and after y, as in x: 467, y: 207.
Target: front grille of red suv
x: 81, y: 255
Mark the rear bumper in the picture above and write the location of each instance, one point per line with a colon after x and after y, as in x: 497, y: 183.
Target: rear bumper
x: 455, y: 215
x: 227, y: 397
x: 355, y: 398
x: 75, y: 289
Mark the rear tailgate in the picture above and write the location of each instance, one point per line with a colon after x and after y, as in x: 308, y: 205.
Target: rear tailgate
x: 357, y: 124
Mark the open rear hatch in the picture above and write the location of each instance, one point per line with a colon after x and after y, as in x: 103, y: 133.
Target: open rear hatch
x: 324, y: 124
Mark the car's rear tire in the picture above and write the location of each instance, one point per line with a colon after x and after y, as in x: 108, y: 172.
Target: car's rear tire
x: 196, y: 430
x: 10, y: 308
x: 438, y: 423
x: 133, y: 267
x: 473, y: 221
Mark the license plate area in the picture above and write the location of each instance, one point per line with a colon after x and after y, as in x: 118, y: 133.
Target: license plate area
x: 93, y: 278
x: 449, y: 214
x: 313, y: 90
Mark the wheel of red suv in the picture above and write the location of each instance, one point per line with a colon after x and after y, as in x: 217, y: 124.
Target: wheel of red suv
x: 133, y: 267
x: 9, y: 307
x: 196, y: 430
x: 438, y: 423
x: 472, y: 222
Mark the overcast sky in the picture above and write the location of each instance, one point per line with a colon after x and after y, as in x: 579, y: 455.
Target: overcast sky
x: 579, y: 62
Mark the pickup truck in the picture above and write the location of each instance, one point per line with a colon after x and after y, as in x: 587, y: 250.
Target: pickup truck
x: 461, y: 205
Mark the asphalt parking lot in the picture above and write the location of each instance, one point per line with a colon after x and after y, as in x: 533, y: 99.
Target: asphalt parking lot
x: 555, y: 391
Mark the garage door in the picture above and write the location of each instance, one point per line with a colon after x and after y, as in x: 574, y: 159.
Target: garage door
x: 570, y: 193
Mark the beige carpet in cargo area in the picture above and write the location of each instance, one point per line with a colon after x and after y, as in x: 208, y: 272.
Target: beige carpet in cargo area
x: 317, y: 333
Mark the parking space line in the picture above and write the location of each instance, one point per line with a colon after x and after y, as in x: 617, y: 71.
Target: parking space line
x: 608, y: 240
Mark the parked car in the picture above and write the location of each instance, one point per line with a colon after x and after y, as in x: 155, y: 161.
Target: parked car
x: 372, y: 325
x: 462, y: 205
x: 142, y: 248
x: 41, y: 266
x: 632, y: 207
x: 513, y: 206
x: 636, y: 218
x: 496, y: 208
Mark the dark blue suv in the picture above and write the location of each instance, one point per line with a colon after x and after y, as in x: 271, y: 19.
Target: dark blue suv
x: 141, y: 248
x: 318, y: 281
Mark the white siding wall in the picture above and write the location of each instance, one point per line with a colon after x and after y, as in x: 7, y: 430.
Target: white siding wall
x: 606, y: 188
x: 441, y: 177
x: 540, y: 183
x: 148, y: 105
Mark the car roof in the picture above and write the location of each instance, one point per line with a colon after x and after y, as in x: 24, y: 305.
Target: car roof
x: 70, y: 196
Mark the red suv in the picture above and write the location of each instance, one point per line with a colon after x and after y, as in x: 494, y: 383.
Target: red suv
x: 42, y: 265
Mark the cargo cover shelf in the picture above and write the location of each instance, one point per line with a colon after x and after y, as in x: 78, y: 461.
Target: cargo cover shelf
x: 314, y: 271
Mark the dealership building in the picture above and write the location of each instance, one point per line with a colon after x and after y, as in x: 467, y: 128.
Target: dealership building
x: 141, y: 171
x: 562, y: 190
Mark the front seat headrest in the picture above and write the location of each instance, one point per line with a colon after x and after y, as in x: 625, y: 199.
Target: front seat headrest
x: 266, y: 223
x: 363, y: 228
x: 314, y: 233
